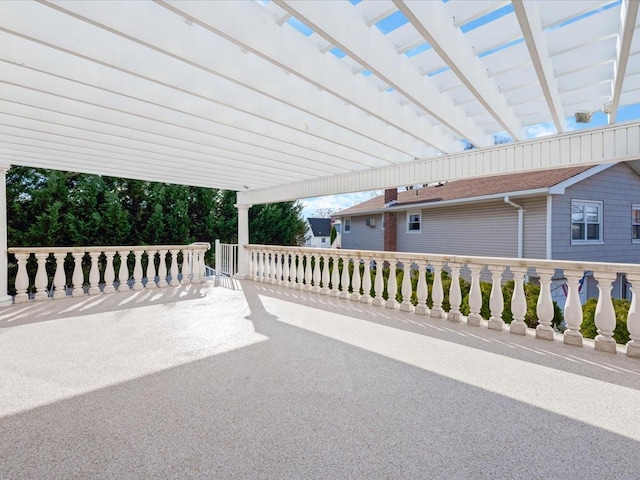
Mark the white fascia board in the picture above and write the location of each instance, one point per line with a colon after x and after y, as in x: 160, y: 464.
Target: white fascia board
x: 116, y: 52
x: 458, y: 201
x: 628, y: 16
x: 560, y: 188
x: 434, y: 24
x: 255, y: 31
x: 611, y: 144
x: 528, y: 16
x: 344, y: 27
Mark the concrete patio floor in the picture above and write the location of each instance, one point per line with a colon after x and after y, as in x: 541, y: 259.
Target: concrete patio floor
x: 262, y: 382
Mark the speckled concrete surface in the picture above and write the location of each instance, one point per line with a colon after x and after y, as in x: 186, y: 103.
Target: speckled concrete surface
x: 262, y: 382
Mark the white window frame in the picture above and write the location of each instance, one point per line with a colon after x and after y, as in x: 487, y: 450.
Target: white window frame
x: 585, y: 241
x: 634, y: 207
x: 409, y: 222
x: 346, y: 222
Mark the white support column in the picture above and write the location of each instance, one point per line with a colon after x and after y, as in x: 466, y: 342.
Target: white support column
x: 5, y: 299
x: 243, y: 239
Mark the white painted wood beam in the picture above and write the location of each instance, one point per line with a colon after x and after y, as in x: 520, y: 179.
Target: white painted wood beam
x: 586, y: 147
x: 531, y: 25
x: 105, y: 48
x: 168, y: 34
x: 628, y: 18
x: 432, y: 21
x: 344, y: 27
x: 287, y: 49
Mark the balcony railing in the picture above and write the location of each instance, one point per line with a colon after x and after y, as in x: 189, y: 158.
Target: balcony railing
x: 57, y: 272
x: 315, y: 270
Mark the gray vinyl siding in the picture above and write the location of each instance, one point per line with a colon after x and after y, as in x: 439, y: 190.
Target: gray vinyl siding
x: 487, y: 229
x: 535, y: 226
x: 618, y: 188
x: 362, y: 237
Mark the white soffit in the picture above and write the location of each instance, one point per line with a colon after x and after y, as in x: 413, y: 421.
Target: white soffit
x: 261, y: 95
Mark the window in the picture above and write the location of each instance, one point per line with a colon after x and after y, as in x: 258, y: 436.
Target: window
x: 347, y: 225
x: 586, y: 221
x: 323, y: 240
x: 413, y: 222
x: 635, y: 223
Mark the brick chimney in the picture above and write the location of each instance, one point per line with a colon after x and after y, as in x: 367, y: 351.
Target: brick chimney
x: 390, y: 231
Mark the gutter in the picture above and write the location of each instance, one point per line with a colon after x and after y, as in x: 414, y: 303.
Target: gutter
x: 520, y: 225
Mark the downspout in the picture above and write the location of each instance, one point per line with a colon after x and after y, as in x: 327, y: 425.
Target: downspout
x: 520, y: 225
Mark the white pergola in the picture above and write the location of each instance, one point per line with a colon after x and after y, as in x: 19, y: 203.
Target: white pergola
x: 286, y: 99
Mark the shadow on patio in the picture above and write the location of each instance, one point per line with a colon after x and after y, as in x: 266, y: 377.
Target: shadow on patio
x: 266, y: 382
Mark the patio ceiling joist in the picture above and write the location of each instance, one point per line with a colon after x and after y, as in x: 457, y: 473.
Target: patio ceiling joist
x: 344, y: 28
x: 531, y: 25
x: 322, y: 79
x: 431, y: 20
x: 628, y: 19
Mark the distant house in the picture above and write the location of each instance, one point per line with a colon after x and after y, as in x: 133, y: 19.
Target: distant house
x: 578, y: 213
x: 318, y: 233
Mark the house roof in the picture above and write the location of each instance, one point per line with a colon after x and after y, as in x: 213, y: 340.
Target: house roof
x: 321, y: 227
x: 472, y: 188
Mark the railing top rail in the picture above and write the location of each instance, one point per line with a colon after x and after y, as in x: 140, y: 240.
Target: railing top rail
x: 628, y: 268
x: 109, y: 248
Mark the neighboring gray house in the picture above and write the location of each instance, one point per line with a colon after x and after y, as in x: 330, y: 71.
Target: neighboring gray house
x: 578, y: 213
x: 318, y: 233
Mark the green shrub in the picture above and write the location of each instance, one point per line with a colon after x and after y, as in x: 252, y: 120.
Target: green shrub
x: 620, y: 333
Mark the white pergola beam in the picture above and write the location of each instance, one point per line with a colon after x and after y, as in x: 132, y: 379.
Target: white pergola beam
x: 528, y: 17
x: 287, y: 49
x: 611, y: 144
x: 628, y: 18
x: 431, y: 20
x: 344, y: 27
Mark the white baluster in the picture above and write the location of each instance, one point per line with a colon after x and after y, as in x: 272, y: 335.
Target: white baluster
x: 378, y: 284
x: 437, y: 293
x: 518, y: 302
x: 41, y: 277
x: 279, y: 265
x: 496, y: 299
x: 355, y: 281
x: 162, y: 269
x: 475, y: 297
x: 137, y: 270
x: 573, y: 309
x: 544, y: 307
x: 325, y: 275
x: 94, y: 274
x: 151, y: 269
x: 22, y: 278
x: 455, y: 295
x: 59, y: 278
x: 174, y: 269
x: 260, y: 276
x: 392, y: 287
x: 366, y: 282
x: 335, y: 276
x: 345, y: 279
x: 202, y: 267
x: 78, y: 275
x: 316, y: 275
x: 194, y: 264
x: 407, y: 288
x: 300, y: 272
x: 308, y: 273
x: 605, y: 316
x: 109, y: 273
x: 422, y: 290
x: 273, y: 268
x: 633, y: 318
x: 187, y: 258
x: 285, y: 270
